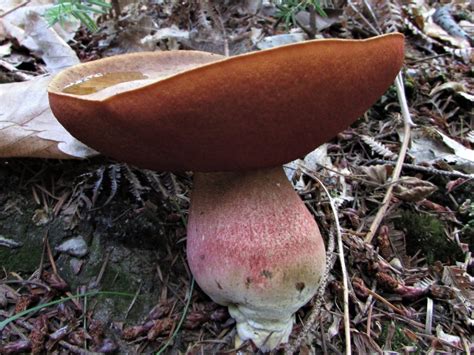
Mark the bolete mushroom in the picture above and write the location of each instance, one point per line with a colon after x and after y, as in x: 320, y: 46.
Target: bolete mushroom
x: 252, y: 244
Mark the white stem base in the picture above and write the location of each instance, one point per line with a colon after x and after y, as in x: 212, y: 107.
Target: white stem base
x: 266, y: 334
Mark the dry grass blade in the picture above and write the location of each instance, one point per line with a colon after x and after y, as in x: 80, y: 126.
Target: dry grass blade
x: 345, y: 278
x: 15, y: 8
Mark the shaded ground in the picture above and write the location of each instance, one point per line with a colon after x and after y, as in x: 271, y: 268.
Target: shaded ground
x: 132, y: 246
x: 125, y: 228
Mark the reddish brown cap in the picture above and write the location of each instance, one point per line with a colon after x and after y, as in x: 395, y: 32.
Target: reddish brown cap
x: 205, y: 113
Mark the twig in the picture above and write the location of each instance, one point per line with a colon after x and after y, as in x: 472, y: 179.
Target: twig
x: 75, y: 349
x: 226, y: 340
x: 367, y: 22
x: 213, y: 11
x: 26, y: 282
x: 98, y: 280
x: 428, y: 58
x: 55, y: 270
x: 369, y: 319
x: 385, y: 302
x: 424, y: 169
x: 49, y: 253
x: 403, y: 100
x: 438, y: 339
x: 345, y: 277
x: 15, y: 8
x: 330, y: 259
x: 372, y: 14
x: 312, y: 21
x: 320, y: 293
x: 407, y: 123
x: 133, y: 301
x: 404, y: 319
x: 9, y: 243
x: 429, y: 316
x: 224, y: 33
x: 183, y: 317
x: 367, y: 308
x: 323, y: 340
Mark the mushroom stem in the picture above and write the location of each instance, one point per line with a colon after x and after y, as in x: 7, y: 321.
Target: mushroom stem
x: 254, y: 247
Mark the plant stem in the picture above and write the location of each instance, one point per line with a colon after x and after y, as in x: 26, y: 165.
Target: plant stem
x: 407, y: 124
x: 312, y: 22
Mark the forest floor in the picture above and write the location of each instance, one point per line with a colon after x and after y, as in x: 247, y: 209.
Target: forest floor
x: 92, y: 251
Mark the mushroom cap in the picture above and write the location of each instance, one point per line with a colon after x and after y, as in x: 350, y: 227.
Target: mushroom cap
x: 204, y: 112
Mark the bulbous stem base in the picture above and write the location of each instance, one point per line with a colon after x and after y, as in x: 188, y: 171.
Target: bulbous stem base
x: 254, y: 247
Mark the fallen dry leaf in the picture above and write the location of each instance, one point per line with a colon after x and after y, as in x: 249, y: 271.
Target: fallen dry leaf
x: 431, y: 145
x: 281, y: 40
x: 54, y: 51
x: 5, y: 49
x: 333, y: 16
x: 28, y: 128
x: 377, y: 173
x: 412, y: 189
x: 173, y: 35
x: 433, y: 30
x: 450, y: 85
x: 13, y: 24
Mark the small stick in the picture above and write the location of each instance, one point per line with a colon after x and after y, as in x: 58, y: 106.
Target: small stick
x: 75, y: 349
x: 367, y: 307
x: 15, y: 8
x: 55, y: 271
x: 50, y: 255
x: 367, y: 22
x: 386, y: 302
x: 320, y: 293
x: 330, y: 259
x: 369, y: 320
x: 15, y: 71
x: 133, y: 301
x: 425, y: 169
x: 407, y: 124
x: 323, y: 340
x: 372, y: 14
x: 26, y: 282
x: 102, y: 269
x: 218, y: 19
x: 428, y: 58
x: 345, y: 277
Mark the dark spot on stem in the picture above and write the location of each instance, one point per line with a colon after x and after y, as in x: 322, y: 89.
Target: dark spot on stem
x: 267, y: 274
x: 300, y: 286
x: 219, y: 285
x: 248, y: 281
x: 202, y: 257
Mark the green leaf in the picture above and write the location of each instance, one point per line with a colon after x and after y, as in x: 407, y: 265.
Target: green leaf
x: 100, y: 3
x: 80, y: 9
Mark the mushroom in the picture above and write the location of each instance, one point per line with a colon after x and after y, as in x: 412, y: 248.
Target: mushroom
x: 252, y: 244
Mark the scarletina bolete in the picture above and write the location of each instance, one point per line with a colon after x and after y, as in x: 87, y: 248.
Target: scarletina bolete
x: 251, y: 243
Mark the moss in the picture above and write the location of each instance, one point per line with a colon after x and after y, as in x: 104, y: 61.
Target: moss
x: 399, y: 339
x: 410, y: 87
x: 16, y: 224
x: 426, y: 233
x: 121, y: 282
x: 23, y: 260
